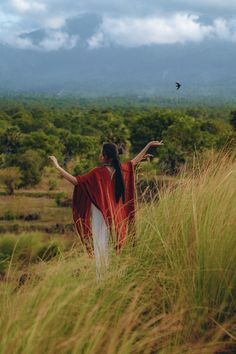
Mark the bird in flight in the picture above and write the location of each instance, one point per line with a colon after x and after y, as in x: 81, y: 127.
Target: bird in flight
x: 178, y: 85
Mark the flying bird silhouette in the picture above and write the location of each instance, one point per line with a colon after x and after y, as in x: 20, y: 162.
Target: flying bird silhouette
x: 178, y: 85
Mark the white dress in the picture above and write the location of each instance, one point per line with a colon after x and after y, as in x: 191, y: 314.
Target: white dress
x: 100, y: 240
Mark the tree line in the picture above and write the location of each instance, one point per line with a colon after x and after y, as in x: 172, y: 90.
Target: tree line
x: 29, y: 132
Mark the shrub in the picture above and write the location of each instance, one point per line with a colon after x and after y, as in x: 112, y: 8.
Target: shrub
x: 62, y: 200
x: 23, y: 247
x: 7, y: 244
x: 52, y: 184
x: 47, y: 252
x: 9, y: 215
x: 27, y: 247
x: 31, y: 217
x: 11, y: 178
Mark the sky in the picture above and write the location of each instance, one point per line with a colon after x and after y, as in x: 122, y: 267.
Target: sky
x: 124, y: 23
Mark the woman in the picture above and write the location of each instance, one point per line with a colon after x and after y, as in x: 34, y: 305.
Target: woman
x: 104, y: 200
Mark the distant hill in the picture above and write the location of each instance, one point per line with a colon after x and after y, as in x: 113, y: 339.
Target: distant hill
x: 203, y: 69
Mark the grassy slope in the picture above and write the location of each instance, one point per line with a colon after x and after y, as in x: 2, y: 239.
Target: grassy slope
x: 173, y: 293
x: 45, y: 206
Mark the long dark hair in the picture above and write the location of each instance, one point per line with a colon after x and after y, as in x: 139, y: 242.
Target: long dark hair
x: 111, y: 152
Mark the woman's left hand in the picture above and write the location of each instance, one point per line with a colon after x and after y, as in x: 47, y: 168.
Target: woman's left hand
x: 156, y: 143
x: 54, y: 160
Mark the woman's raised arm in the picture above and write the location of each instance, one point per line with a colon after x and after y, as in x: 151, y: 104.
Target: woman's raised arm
x: 142, y: 153
x: 65, y: 174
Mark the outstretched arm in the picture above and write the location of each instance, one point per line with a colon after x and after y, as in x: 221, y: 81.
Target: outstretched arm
x: 65, y: 174
x: 142, y: 153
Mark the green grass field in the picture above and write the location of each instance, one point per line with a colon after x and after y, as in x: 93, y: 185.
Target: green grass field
x: 174, y: 292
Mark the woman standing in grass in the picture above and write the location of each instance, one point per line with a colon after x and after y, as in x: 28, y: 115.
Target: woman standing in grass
x: 104, y: 200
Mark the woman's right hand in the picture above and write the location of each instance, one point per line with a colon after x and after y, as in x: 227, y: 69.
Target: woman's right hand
x: 54, y: 160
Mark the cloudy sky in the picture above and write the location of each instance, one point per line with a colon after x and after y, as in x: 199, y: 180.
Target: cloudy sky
x: 127, y: 23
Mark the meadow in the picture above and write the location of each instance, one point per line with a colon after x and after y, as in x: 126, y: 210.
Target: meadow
x: 173, y: 292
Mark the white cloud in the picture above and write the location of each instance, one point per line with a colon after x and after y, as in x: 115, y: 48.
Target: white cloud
x: 55, y: 22
x: 213, y: 3
x: 56, y: 40
x: 225, y: 30
x: 126, y: 23
x: 97, y: 40
x: 134, y: 32
x: 24, y: 6
x: 22, y: 43
x: 19, y: 17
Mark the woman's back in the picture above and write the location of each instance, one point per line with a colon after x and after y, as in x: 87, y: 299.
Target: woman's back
x: 98, y: 187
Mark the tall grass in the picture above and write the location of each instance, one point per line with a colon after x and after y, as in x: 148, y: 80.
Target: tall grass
x: 174, y: 292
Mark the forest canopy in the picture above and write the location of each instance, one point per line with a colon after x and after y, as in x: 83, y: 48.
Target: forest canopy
x: 30, y: 130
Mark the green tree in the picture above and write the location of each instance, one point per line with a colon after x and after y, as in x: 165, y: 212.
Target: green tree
x: 181, y: 140
x: 31, y: 164
x: 149, y: 127
x: 23, y: 120
x: 11, y: 178
x: 87, y: 154
x: 43, y: 120
x: 10, y: 140
x: 39, y: 140
x: 113, y: 129
x: 217, y: 133
x: 74, y: 144
x: 4, y: 124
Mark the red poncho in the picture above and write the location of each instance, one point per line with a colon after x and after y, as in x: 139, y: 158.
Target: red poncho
x: 98, y: 187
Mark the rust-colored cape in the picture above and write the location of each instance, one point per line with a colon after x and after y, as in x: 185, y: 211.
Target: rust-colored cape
x: 98, y: 187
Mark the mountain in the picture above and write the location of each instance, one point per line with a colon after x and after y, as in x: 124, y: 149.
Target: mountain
x: 206, y: 68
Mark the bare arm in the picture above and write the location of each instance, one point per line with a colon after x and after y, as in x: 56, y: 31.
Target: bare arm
x: 64, y: 173
x: 142, y: 153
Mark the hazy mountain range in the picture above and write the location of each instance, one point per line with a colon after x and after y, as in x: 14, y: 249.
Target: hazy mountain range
x: 206, y: 68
